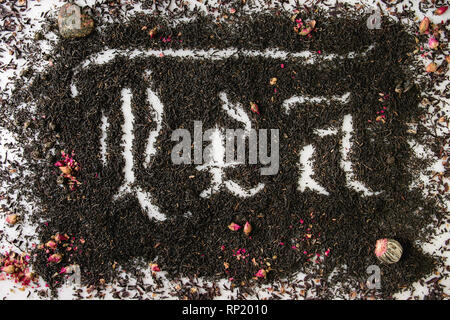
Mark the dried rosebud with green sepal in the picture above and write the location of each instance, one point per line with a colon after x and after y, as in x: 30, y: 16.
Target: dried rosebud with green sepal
x: 388, y: 250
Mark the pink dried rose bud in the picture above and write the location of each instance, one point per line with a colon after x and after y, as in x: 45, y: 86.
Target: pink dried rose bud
x: 12, y: 219
x: 30, y: 275
x: 247, y: 228
x: 59, y: 237
x: 56, y: 258
x: 423, y: 27
x: 441, y: 10
x: 51, y: 244
x: 154, y: 267
x: 433, y: 43
x: 261, y: 273
x: 432, y: 67
x: 234, y: 227
x: 9, y: 269
x: 305, y: 31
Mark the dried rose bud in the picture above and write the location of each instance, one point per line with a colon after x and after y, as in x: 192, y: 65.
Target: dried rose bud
x: 380, y: 118
x: 261, y: 273
x: 441, y: 10
x: 51, y: 244
x: 154, y: 267
x: 65, y: 170
x: 153, y: 32
x: 56, y: 258
x: 423, y: 27
x: 432, y: 67
x: 388, y: 250
x: 254, y: 107
x: 247, y: 228
x: 30, y: 275
x: 9, y: 269
x: 433, y: 43
x: 308, y: 28
x: 234, y: 227
x: 59, y: 237
x: 305, y: 31
x: 12, y: 219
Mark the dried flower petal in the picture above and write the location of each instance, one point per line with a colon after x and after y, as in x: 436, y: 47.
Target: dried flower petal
x: 51, y: 244
x: 432, y: 67
x: 65, y: 170
x: 433, y: 43
x: 380, y: 118
x: 305, y: 31
x: 59, y: 237
x: 56, y: 258
x: 9, y: 269
x: 29, y: 276
x: 273, y: 81
x: 441, y: 10
x: 234, y: 227
x: 153, y: 32
x: 12, y: 219
x: 423, y: 27
x: 261, y: 273
x: 254, y: 107
x: 154, y: 267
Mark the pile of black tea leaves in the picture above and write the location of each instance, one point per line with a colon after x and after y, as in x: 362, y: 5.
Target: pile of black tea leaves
x: 84, y: 219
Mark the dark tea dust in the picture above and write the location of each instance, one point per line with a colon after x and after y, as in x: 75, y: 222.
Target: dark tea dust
x: 292, y: 231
